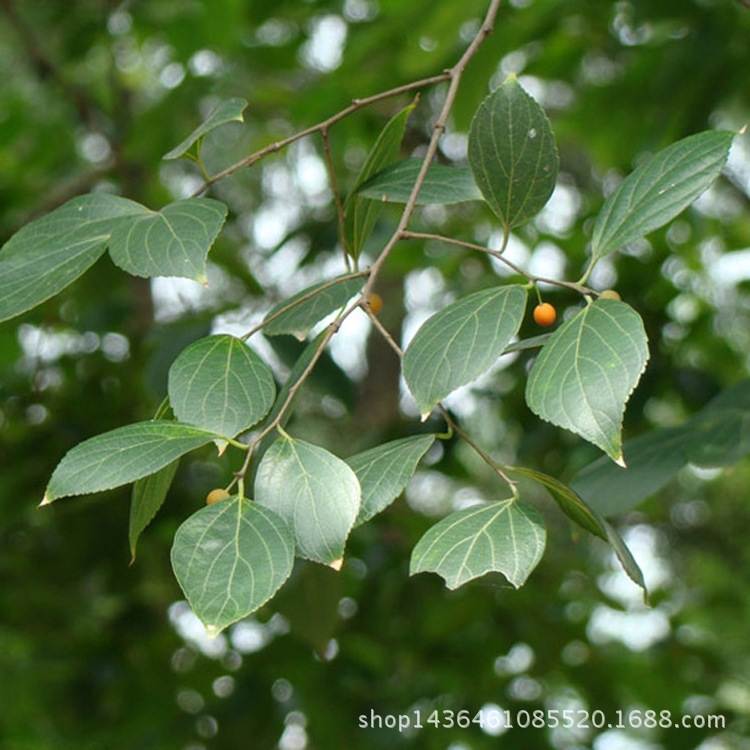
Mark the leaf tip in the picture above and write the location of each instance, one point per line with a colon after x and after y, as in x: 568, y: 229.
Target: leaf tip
x: 212, y: 631
x: 620, y: 461
x: 336, y: 564
x: 46, y: 500
x: 742, y: 130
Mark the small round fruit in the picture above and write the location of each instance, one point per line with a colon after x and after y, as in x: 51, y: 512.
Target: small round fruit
x: 375, y: 301
x: 610, y: 294
x: 545, y: 314
x: 215, y: 495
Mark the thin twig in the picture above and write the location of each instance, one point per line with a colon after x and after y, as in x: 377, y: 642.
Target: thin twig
x: 276, y: 421
x: 406, y: 235
x: 356, y: 104
x: 312, y: 293
x: 336, y: 196
x: 455, y: 74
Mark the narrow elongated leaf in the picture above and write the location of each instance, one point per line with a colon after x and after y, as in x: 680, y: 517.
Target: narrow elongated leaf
x: 219, y: 383
x: 383, y: 472
x: 50, y: 253
x: 586, y: 372
x: 652, y: 460
x: 624, y: 555
x: 123, y: 455
x: 505, y: 536
x: 442, y: 184
x: 659, y: 189
x: 227, y: 111
x: 361, y: 214
x: 461, y: 342
x: 568, y: 501
x: 512, y: 154
x: 307, y: 308
x: 150, y: 492
x: 230, y: 558
x: 172, y: 242
x: 314, y: 491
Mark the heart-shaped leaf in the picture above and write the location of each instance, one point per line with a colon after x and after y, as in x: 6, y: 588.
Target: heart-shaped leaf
x: 461, y: 342
x: 314, y: 491
x: 172, y: 242
x: 505, y: 536
x: 585, y: 373
x: 230, y: 558
x: 512, y: 154
x: 50, y: 253
x: 219, y: 383
x: 384, y: 471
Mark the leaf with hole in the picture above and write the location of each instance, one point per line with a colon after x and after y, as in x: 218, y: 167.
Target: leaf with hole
x: 228, y: 111
x: 219, y: 383
x: 461, y: 342
x: 123, y: 455
x: 659, y: 189
x: 505, y: 536
x: 172, y: 242
x: 299, y: 314
x: 512, y: 154
x: 585, y: 373
x: 314, y: 491
x: 361, y: 213
x: 149, y: 492
x: 384, y: 471
x: 230, y: 558
x: 51, y: 252
x: 442, y: 185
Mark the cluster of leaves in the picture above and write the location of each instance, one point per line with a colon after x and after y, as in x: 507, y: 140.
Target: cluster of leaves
x: 232, y: 556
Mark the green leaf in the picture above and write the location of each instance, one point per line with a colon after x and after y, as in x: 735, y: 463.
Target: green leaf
x: 149, y: 492
x: 230, y: 558
x: 314, y: 491
x: 461, y: 342
x: 568, y: 501
x: 652, y: 460
x: 219, y: 383
x: 659, y: 189
x: 505, y: 536
x: 624, y: 555
x: 50, y: 253
x: 123, y: 455
x: 443, y: 185
x: 585, y: 374
x: 361, y: 213
x: 302, y: 316
x: 172, y: 242
x: 512, y: 154
x: 227, y: 111
x: 384, y: 471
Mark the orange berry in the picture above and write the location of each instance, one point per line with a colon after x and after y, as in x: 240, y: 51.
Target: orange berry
x: 215, y: 495
x: 375, y: 301
x: 610, y: 294
x: 545, y: 314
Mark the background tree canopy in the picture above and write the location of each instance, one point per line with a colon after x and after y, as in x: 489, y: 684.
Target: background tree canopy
x: 95, y: 653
